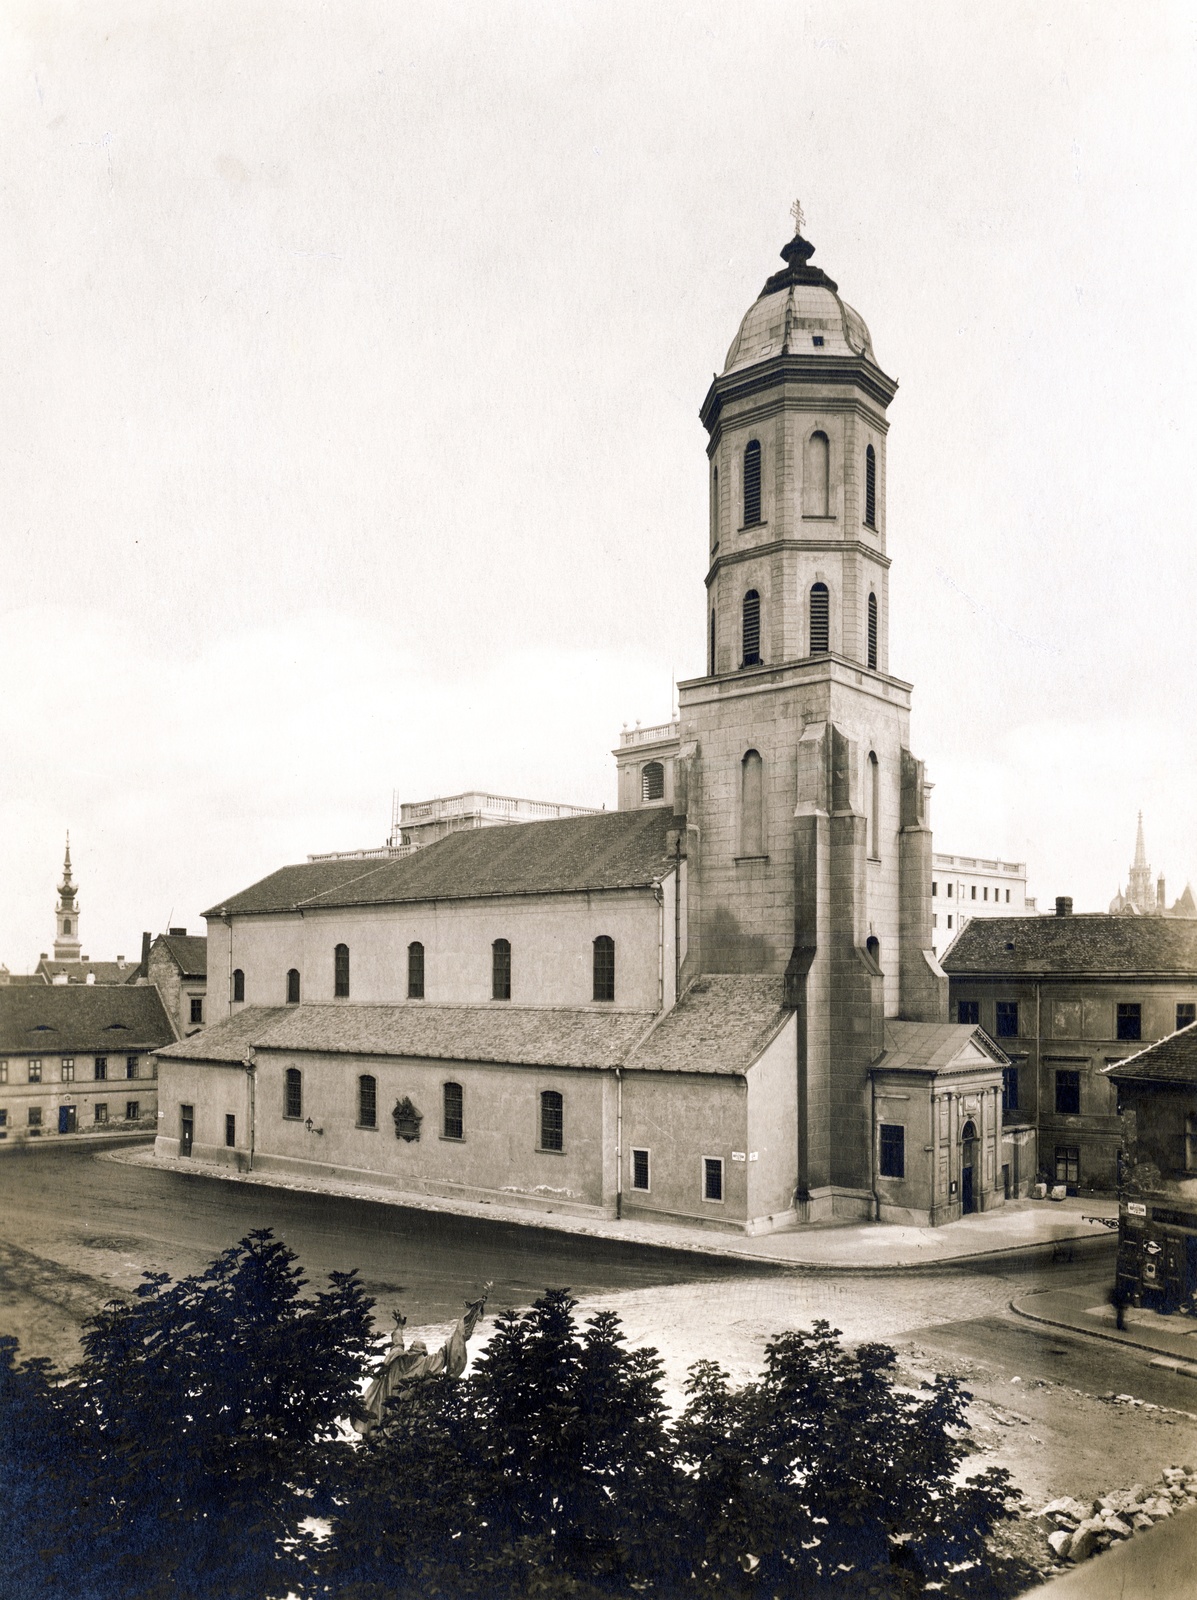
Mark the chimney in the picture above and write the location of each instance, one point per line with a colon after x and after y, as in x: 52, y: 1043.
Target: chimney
x: 1063, y: 905
x: 143, y: 971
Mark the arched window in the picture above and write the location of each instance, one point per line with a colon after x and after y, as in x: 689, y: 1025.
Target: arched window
x: 367, y: 1101
x: 752, y: 629
x: 873, y: 946
x: 238, y: 985
x: 500, y: 970
x: 873, y: 806
x: 752, y: 483
x: 604, y: 968
x: 820, y: 620
x: 652, y: 781
x: 415, y: 970
x: 816, y: 476
x: 552, y: 1121
x: 712, y: 641
x: 453, y: 1111
x: 341, y: 972
x: 293, y: 1093
x: 870, y: 488
x: 752, y: 795
x: 872, y: 630
x: 293, y: 987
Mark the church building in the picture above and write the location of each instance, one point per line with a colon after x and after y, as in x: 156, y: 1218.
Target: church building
x: 719, y: 1003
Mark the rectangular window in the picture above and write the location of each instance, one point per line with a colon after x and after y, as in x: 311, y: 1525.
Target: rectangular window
x: 3, y: 1071
x: 712, y: 1178
x: 68, y: 1069
x: 1191, y: 1142
x: 1009, y: 1088
x: 35, y: 1072
x: 1186, y: 1014
x: 101, y: 1111
x: 934, y: 888
x: 3, y: 1123
x: 197, y: 1008
x: 500, y: 970
x: 293, y: 1093
x: 1068, y: 1165
x: 131, y: 1066
x: 552, y: 1121
x: 453, y: 1105
x: 893, y: 1150
x: 934, y: 920
x: 1068, y: 1093
x: 35, y: 1116
x: 985, y: 894
x: 415, y: 971
x: 230, y: 1130
x: 949, y: 891
x: 949, y: 920
x: 640, y: 1167
x: 1007, y: 897
x: 973, y: 895
x: 1130, y: 1022
x: 968, y: 1011
x: 1007, y: 1019
x: 132, y: 1110
x: 367, y: 1101
x: 101, y: 1069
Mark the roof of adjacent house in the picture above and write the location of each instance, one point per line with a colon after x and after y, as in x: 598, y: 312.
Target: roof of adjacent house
x: 82, y: 972
x: 1092, y: 944
x: 515, y: 1035
x: 934, y: 1046
x: 1171, y: 1060
x: 722, y: 1024
x: 567, y: 855
x: 100, y: 1018
x: 189, y: 952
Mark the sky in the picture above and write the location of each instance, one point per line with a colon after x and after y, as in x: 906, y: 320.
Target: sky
x: 350, y: 370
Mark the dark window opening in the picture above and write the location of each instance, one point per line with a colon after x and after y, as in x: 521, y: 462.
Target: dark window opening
x: 1186, y: 1014
x: 341, y: 972
x: 453, y: 1111
x: 968, y: 1011
x: 552, y: 1121
x: 131, y: 1065
x: 66, y: 925
x: 639, y: 1169
x: 197, y: 1008
x: 712, y: 668
x: 101, y: 1069
x: 230, y: 1130
x: 893, y: 1150
x: 817, y: 340
x: 752, y: 483
x: 1007, y: 1019
x: 1009, y: 1088
x: 752, y: 629
x: 1130, y: 1022
x: 652, y: 781
x: 500, y: 970
x: 132, y: 1110
x: 293, y: 987
x: 1068, y: 1165
x: 604, y: 968
x: 415, y: 970
x: 1068, y: 1093
x: 293, y: 1093
x: 101, y: 1111
x: 873, y: 631
x: 820, y: 620
x: 238, y: 986
x: 870, y: 488
x: 712, y: 1178
x: 367, y: 1101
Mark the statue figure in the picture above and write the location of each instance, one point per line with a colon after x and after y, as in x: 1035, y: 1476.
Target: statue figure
x: 405, y: 1362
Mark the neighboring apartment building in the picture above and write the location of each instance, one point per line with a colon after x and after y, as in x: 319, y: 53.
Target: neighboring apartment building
x: 1157, y: 1220
x: 1067, y: 997
x: 79, y: 1056
x: 176, y: 963
x: 963, y: 887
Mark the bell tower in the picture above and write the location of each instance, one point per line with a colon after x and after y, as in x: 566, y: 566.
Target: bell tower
x: 67, y: 946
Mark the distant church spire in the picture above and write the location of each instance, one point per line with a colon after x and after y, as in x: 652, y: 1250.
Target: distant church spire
x: 66, y: 945
x: 1140, y: 851
x: 1139, y: 889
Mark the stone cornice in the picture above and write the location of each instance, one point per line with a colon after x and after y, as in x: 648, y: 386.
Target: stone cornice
x: 855, y: 371
x: 782, y: 675
x: 827, y: 546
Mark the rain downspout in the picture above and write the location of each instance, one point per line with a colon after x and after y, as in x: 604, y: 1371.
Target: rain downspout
x: 659, y: 892
x: 873, y: 1149
x: 618, y: 1143
x: 677, y: 921
x: 251, y: 1073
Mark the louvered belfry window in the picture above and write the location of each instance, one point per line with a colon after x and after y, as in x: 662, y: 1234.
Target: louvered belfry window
x: 652, y: 781
x: 752, y: 483
x: 752, y: 629
x: 870, y: 487
x: 872, y: 630
x: 820, y: 620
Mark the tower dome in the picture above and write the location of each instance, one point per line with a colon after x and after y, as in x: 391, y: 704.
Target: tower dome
x: 799, y: 312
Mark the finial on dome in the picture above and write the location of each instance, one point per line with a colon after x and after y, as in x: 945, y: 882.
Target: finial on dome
x: 799, y: 217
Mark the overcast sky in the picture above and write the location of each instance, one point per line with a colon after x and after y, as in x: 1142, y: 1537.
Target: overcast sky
x: 351, y: 363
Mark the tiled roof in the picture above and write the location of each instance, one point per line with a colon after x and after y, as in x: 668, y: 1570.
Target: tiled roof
x: 609, y: 850
x: 79, y: 971
x: 108, y: 1019
x: 1092, y: 944
x: 520, y: 1035
x: 189, y: 952
x: 933, y: 1046
x: 1172, y: 1060
x: 721, y: 1025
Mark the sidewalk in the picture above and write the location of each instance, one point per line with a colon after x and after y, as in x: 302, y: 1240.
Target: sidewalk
x: 1020, y: 1228
x: 1171, y: 1339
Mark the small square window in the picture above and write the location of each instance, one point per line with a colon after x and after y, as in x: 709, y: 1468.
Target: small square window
x: 639, y: 1169
x: 132, y: 1110
x: 1186, y: 1014
x: 197, y: 1008
x: 1068, y: 1093
x: 712, y: 1178
x: 817, y: 340
x: 1130, y: 1021
x: 893, y: 1150
x: 35, y: 1072
x: 968, y: 1011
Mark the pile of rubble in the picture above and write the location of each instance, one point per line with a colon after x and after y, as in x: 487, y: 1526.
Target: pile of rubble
x: 1084, y: 1528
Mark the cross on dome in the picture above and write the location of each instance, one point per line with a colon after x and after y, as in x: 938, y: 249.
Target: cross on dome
x: 799, y: 217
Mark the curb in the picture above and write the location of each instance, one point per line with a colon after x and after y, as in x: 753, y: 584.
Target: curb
x: 1187, y: 1369
x: 713, y: 1251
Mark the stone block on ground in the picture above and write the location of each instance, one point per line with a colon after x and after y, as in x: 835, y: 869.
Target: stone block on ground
x: 1084, y: 1541
x: 1060, y: 1539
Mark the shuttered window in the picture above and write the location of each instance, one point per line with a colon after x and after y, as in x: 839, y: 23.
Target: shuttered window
x: 752, y: 483
x: 652, y: 781
x: 820, y: 620
x: 604, y: 968
x: 870, y: 487
x: 752, y: 629
x: 872, y: 630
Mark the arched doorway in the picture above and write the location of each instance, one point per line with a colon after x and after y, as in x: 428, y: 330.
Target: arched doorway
x: 968, y: 1146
